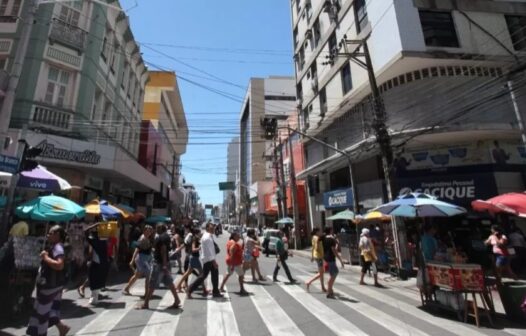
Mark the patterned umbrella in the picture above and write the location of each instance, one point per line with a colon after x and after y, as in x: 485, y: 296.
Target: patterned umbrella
x: 50, y: 208
x: 419, y: 205
x: 42, y: 179
x: 102, y: 208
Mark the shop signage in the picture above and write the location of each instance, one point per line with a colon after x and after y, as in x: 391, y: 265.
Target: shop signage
x: 461, y: 189
x: 338, y: 199
x: 50, y: 151
x: 8, y: 164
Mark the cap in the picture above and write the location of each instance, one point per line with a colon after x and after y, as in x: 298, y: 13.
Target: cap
x: 365, y: 232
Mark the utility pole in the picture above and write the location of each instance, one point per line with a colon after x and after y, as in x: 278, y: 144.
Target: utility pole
x: 27, y: 19
x: 278, y: 184
x: 294, y: 191
x: 283, y: 183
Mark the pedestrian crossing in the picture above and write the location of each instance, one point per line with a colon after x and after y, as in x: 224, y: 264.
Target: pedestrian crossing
x: 282, y: 308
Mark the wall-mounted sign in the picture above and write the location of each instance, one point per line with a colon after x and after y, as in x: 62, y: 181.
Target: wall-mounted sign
x: 50, y: 151
x: 338, y: 199
x: 8, y: 164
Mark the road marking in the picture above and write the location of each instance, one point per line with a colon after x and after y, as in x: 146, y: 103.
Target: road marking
x: 108, y: 319
x: 275, y: 318
x: 221, y: 319
x: 387, y: 321
x: 455, y: 328
x: 163, y: 320
x: 327, y: 316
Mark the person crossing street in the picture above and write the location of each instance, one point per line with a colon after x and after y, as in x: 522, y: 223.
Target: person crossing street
x: 282, y: 254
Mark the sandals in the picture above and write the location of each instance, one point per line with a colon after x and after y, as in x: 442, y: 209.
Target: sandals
x: 81, y: 293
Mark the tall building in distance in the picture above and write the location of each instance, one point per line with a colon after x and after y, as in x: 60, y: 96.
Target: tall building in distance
x: 441, y: 68
x: 266, y: 97
x: 232, y: 168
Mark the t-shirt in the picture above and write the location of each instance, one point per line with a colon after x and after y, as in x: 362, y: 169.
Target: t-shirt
x: 280, y: 246
x: 317, y: 248
x: 496, y: 248
x: 429, y: 246
x: 57, y: 251
x: 160, y: 241
x: 144, y: 245
x: 328, y: 254
x: 237, y: 257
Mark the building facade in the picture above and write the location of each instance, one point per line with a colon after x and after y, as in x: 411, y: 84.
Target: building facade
x: 266, y: 97
x: 164, y: 138
x: 80, y: 96
x: 229, y: 196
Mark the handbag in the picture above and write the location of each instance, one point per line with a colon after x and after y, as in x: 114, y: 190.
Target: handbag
x: 255, y: 252
x: 216, y: 248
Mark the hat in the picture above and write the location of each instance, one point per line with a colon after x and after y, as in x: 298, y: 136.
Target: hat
x: 365, y: 232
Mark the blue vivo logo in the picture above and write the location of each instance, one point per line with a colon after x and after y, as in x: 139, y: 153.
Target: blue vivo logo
x: 38, y: 185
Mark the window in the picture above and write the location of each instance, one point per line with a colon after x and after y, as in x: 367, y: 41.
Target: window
x: 439, y: 29
x: 9, y: 10
x: 517, y: 28
x: 316, y: 33
x: 360, y: 15
x: 70, y: 13
x: 295, y: 37
x: 57, y: 86
x: 298, y: 6
x: 323, y: 102
x: 299, y: 91
x: 124, y: 75
x: 113, y: 58
x: 301, y: 59
x: 346, y: 78
x: 107, y: 44
x: 3, y: 63
x: 333, y: 44
x: 305, y: 117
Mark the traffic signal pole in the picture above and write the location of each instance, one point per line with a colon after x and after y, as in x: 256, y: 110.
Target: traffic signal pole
x: 294, y: 191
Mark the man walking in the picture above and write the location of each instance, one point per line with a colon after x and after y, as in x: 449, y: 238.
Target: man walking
x: 282, y: 254
x: 330, y: 254
x: 208, y: 255
x: 161, y: 267
x: 266, y: 241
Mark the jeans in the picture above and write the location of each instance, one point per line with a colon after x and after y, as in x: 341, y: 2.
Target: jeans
x: 285, y: 267
x: 208, y: 267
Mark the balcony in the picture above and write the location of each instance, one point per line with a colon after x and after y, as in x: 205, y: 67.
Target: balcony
x: 68, y: 35
x: 51, y: 117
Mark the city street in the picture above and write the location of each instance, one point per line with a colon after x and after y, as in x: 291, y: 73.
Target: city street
x: 271, y: 309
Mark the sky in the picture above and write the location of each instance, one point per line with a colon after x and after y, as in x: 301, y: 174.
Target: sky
x: 214, y: 47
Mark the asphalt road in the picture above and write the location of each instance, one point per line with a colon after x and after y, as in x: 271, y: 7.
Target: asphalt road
x: 271, y: 309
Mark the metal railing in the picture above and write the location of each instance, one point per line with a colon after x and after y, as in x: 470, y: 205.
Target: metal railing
x: 69, y: 35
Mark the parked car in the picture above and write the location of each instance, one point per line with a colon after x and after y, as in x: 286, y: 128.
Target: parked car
x: 234, y: 228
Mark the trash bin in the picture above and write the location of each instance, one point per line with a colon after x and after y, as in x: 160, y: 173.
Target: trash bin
x: 512, y: 294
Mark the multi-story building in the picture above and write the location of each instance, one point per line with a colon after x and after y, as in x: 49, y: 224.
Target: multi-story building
x: 441, y: 68
x: 80, y: 95
x: 265, y: 97
x: 164, y: 138
x: 232, y: 169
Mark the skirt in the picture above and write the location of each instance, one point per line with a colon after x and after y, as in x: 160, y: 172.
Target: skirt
x: 195, y: 263
x: 144, y: 263
x: 97, y: 275
x: 46, y: 311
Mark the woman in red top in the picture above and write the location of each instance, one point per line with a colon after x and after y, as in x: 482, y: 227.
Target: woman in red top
x: 234, y: 262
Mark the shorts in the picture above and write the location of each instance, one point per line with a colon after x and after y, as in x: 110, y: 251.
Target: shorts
x: 237, y: 268
x: 195, y: 263
x: 247, y: 256
x: 501, y: 260
x: 333, y: 269
x: 143, y: 262
x: 368, y: 265
x: 319, y: 263
x: 157, y: 275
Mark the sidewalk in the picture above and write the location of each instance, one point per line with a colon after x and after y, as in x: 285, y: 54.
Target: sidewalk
x: 406, y: 285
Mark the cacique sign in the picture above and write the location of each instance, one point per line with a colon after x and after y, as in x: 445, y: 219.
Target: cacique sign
x: 50, y: 151
x: 457, y: 189
x: 338, y: 198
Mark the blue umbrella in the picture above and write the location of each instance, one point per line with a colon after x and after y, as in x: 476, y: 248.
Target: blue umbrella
x: 419, y: 205
x: 158, y: 219
x: 50, y: 208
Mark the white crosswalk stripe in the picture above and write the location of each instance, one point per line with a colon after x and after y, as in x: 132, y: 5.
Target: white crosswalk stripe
x: 222, y: 320
x: 163, y: 320
x: 276, y: 319
x: 387, y: 321
x: 335, y: 322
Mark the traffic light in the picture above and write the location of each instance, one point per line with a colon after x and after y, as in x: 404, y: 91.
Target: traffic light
x: 27, y: 164
x: 270, y: 126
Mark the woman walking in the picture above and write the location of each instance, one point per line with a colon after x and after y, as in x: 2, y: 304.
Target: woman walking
x: 141, y: 260
x: 194, y: 263
x: 499, y: 241
x: 368, y: 256
x: 99, y: 266
x: 49, y: 287
x: 251, y: 253
x: 234, y: 263
x: 317, y: 255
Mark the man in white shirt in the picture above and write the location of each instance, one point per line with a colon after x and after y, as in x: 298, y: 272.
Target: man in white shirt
x: 208, y: 257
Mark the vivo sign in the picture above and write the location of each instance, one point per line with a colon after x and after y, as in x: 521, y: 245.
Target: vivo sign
x: 338, y: 199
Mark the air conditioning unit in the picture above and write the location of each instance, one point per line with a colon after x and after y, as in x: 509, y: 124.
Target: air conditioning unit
x: 308, y: 33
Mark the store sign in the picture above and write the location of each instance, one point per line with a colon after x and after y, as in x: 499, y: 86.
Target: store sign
x: 338, y: 199
x: 460, y: 189
x: 8, y: 164
x: 50, y: 151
